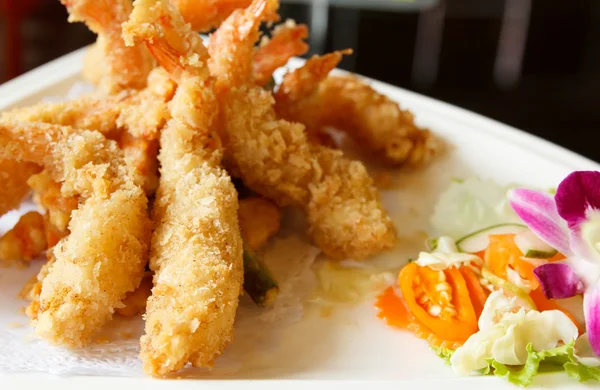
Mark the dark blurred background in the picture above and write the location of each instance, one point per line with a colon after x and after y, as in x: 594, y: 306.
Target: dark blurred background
x: 533, y: 64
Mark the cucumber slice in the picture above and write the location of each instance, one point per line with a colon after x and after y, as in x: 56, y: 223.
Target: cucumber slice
x: 479, y: 241
x: 535, y: 254
x: 533, y: 247
x: 432, y: 244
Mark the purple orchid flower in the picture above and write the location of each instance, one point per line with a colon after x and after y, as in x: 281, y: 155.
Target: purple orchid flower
x: 569, y: 222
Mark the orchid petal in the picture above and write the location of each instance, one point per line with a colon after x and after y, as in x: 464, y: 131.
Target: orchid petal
x: 558, y: 280
x: 576, y: 195
x: 538, y: 211
x: 591, y: 307
x: 583, y: 242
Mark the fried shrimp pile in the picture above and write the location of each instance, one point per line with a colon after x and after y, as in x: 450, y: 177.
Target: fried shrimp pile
x: 158, y: 192
x: 275, y: 159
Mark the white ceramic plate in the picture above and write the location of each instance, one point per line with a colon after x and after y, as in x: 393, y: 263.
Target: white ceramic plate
x: 352, y: 344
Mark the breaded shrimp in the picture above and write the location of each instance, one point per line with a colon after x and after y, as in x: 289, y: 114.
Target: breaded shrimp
x: 275, y: 159
x: 93, y: 70
x: 116, y: 116
x: 309, y: 96
x: 47, y: 194
x: 13, y: 179
x: 136, y: 300
x: 25, y: 241
x: 103, y: 257
x: 93, y: 112
x: 149, y: 111
x: 287, y: 41
x: 122, y: 67
x: 204, y: 15
x: 196, y: 250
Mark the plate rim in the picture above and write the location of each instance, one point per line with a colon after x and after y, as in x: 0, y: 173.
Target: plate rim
x: 70, y: 65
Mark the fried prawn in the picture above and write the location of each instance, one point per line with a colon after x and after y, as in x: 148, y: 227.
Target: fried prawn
x: 104, y: 255
x: 275, y: 159
x: 196, y: 250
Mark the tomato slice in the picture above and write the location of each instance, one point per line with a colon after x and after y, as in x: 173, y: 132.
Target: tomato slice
x: 393, y: 310
x: 476, y: 291
x: 502, y: 253
x: 439, y: 300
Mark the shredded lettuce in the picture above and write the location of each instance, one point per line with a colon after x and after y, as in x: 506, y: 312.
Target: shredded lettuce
x: 444, y: 353
x: 555, y: 359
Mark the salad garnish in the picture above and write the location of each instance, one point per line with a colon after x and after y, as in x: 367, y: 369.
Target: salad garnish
x: 570, y: 222
x: 488, y: 294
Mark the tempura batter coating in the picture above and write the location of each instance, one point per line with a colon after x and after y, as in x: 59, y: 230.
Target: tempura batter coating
x: 94, y: 112
x: 196, y: 250
x: 132, y: 118
x: 205, y: 15
x: 275, y: 159
x: 121, y: 67
x: 104, y: 256
x: 13, y: 178
x: 309, y: 96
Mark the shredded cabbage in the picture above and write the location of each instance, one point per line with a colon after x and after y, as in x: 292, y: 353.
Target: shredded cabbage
x: 498, y: 283
x: 471, y: 205
x: 506, y: 328
x: 446, y: 255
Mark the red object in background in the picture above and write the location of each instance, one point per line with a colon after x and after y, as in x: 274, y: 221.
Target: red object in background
x: 14, y: 12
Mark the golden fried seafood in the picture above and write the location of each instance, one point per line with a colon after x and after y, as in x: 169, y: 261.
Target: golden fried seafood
x: 94, y: 112
x: 142, y: 121
x: 121, y: 67
x: 132, y: 118
x: 135, y: 302
x: 308, y: 95
x: 103, y: 257
x: 93, y: 70
x: 149, y: 111
x: 13, y: 177
x: 26, y: 240
x: 204, y: 15
x: 287, y: 41
x: 32, y: 290
x: 274, y: 158
x: 260, y: 220
x: 196, y: 250
x: 58, y: 207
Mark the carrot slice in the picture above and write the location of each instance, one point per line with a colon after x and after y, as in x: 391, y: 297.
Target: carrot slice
x: 392, y: 309
x: 426, y: 294
x: 502, y: 253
